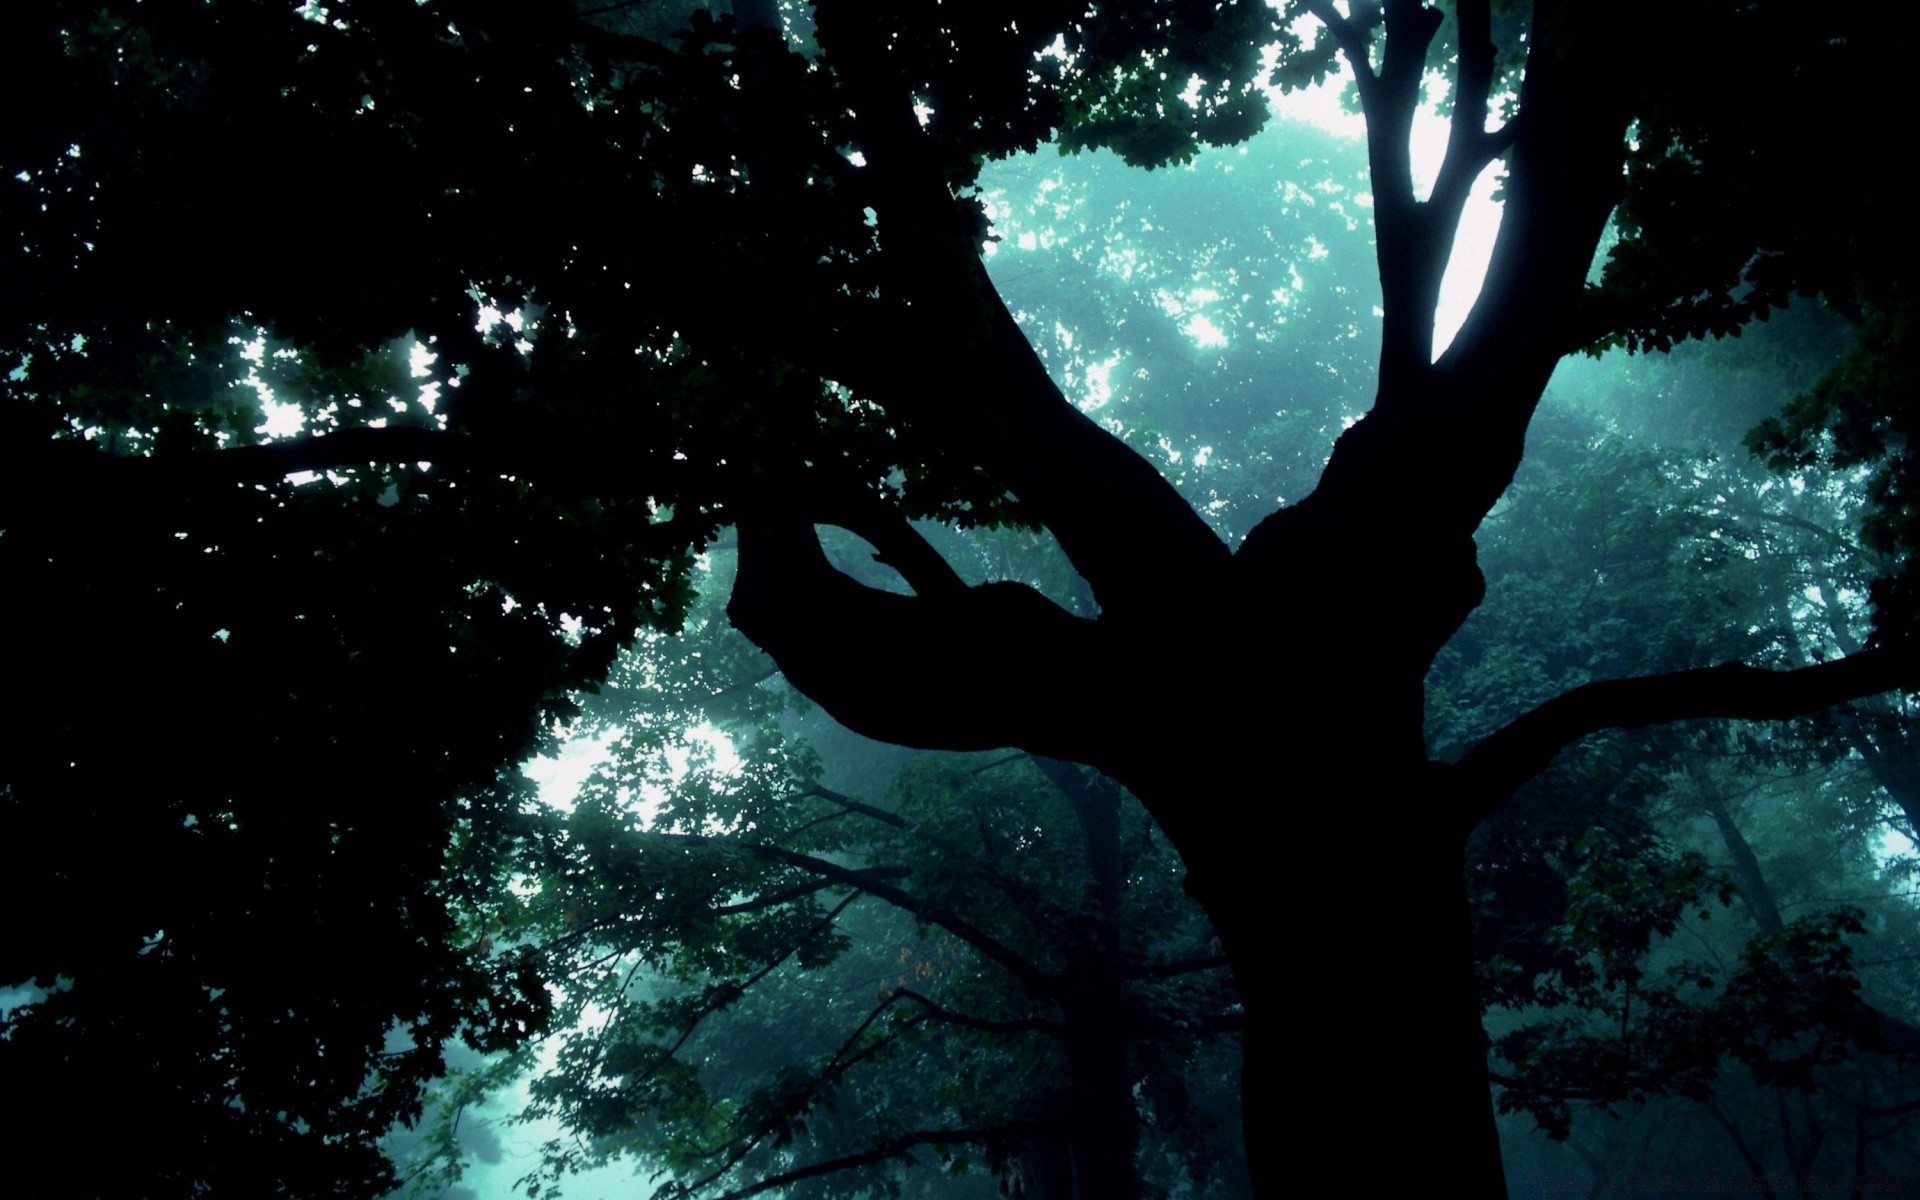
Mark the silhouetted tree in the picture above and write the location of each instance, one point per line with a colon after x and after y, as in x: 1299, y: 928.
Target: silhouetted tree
x: 729, y: 273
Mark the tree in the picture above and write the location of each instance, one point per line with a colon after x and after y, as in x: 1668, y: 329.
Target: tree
x: 767, y: 982
x: 703, y: 250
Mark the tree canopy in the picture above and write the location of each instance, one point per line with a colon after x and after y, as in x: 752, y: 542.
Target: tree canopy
x: 378, y: 371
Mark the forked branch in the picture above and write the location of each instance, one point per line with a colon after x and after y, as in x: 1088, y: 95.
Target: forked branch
x: 975, y: 668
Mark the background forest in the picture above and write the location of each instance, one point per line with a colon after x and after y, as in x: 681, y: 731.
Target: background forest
x: 284, y: 880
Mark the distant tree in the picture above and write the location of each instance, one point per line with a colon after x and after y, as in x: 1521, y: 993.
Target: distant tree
x: 767, y: 982
x: 729, y: 273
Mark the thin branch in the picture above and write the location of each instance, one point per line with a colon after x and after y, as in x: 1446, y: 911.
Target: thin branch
x: 616, y: 7
x: 947, y: 1016
x: 1351, y: 35
x: 1795, y: 522
x: 1031, y: 977
x: 1184, y: 966
x: 836, y: 1067
x: 838, y: 1064
x: 1511, y: 1083
x: 725, y: 994
x: 744, y: 684
x: 894, y: 1147
x: 854, y: 806
x: 800, y: 891
x: 1494, y: 769
x: 1002, y: 761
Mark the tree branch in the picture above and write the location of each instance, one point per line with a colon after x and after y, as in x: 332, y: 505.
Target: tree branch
x: 1494, y: 769
x: 947, y: 1016
x: 1031, y: 977
x: 1137, y: 542
x: 1470, y: 148
x: 980, y: 668
x: 1350, y: 34
x: 899, y: 544
x: 1564, y: 178
x: 1410, y: 243
x: 1473, y: 73
x: 896, y: 1146
x: 1185, y: 966
x: 1003, y: 760
x: 725, y: 994
x: 801, y: 891
x: 855, y: 806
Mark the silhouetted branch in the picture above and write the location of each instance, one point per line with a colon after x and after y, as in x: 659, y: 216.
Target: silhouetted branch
x: 900, y: 546
x: 981, y: 668
x: 1139, y: 544
x: 1492, y: 770
x: 1350, y: 34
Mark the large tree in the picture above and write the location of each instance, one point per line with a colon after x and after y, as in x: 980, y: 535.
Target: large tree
x: 730, y: 273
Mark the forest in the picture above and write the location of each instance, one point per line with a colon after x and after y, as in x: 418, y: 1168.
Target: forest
x: 1120, y: 600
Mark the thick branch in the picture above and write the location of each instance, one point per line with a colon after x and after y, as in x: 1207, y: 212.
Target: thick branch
x: 1412, y: 239
x: 899, y: 544
x: 1139, y: 545
x: 1470, y: 148
x: 1445, y: 438
x: 1494, y: 769
x: 974, y: 669
x: 1473, y: 73
x: 1563, y: 181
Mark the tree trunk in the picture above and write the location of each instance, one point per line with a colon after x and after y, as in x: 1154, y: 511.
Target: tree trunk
x: 1102, y: 1122
x: 1362, y: 1009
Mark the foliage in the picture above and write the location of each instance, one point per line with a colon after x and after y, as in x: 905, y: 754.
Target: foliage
x: 760, y: 976
x: 1618, y: 980
x: 1860, y: 417
x: 375, y: 372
